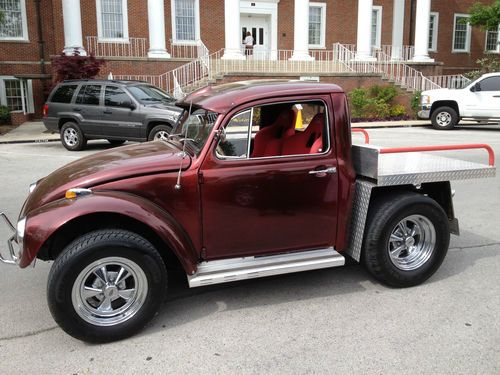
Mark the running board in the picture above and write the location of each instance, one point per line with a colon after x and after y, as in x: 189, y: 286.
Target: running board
x: 227, y: 270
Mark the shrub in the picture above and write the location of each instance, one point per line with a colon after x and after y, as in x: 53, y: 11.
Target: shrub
x: 398, y: 110
x: 384, y: 94
x: 76, y: 66
x: 4, y: 115
x: 358, y: 99
x: 415, y: 102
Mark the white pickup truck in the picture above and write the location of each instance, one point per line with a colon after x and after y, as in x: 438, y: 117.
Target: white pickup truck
x: 480, y: 100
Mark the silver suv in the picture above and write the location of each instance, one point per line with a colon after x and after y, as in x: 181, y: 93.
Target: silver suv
x: 114, y: 110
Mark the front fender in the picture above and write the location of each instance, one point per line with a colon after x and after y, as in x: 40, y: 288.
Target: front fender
x: 46, y: 220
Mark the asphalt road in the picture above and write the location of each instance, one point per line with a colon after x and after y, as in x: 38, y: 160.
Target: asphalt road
x: 328, y: 321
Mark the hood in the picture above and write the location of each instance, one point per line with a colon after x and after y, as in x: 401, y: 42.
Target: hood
x: 436, y: 92
x: 111, y: 165
x: 160, y: 106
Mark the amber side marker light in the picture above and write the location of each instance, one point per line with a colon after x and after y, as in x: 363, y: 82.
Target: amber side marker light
x: 74, y: 193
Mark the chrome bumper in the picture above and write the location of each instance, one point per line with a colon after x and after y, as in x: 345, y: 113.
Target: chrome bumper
x: 11, y: 258
x: 424, y: 114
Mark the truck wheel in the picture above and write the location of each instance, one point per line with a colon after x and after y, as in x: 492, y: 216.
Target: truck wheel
x: 159, y: 132
x: 406, y: 239
x: 106, y: 285
x: 72, y: 137
x: 444, y: 118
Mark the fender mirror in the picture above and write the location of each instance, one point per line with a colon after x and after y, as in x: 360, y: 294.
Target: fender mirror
x: 476, y: 87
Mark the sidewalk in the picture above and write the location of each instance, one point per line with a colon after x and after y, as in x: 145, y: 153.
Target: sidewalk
x: 34, y: 131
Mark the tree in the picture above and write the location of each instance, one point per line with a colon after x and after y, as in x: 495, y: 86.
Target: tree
x: 2, y: 17
x: 76, y: 66
x: 487, y: 17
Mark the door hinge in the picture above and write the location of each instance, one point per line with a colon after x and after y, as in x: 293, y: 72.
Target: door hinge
x: 200, y: 178
x: 203, y: 253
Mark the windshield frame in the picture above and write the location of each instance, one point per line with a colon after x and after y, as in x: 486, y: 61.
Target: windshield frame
x: 195, y: 144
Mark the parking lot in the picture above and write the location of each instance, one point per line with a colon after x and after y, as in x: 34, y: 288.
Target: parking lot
x: 328, y: 321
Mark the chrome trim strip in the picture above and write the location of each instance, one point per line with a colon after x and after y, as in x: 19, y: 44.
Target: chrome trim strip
x: 12, y: 254
x: 227, y: 270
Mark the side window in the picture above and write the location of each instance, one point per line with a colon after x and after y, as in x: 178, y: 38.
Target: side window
x: 233, y: 142
x: 89, y: 94
x: 116, y: 97
x: 277, y: 130
x: 64, y: 94
x: 490, y: 84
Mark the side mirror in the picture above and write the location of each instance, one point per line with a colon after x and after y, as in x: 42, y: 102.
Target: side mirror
x: 476, y: 87
x: 128, y: 104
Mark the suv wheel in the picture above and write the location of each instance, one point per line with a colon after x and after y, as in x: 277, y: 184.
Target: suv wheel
x: 160, y: 132
x: 72, y: 137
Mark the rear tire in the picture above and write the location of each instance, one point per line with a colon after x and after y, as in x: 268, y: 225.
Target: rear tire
x: 160, y: 132
x: 444, y: 118
x: 72, y: 137
x: 106, y: 285
x: 406, y: 239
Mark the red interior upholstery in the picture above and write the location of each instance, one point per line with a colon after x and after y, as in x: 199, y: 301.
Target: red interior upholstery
x: 269, y: 140
x: 308, y: 141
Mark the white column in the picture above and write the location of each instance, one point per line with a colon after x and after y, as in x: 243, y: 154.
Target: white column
x: 232, y: 30
x: 398, y: 23
x: 156, y: 21
x: 422, y: 31
x: 364, y: 37
x: 72, y: 27
x: 301, y: 31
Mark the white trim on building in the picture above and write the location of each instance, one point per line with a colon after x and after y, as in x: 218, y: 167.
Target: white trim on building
x: 488, y: 35
x: 24, y: 26
x: 467, y: 31
x: 101, y: 29
x: 322, y: 26
x: 195, y: 32
x: 376, y: 35
x: 433, y: 31
x: 25, y: 95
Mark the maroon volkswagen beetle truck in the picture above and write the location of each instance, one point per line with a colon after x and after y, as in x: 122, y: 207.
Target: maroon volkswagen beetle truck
x: 258, y: 179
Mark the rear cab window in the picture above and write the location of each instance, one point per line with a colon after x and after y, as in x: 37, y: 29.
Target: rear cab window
x: 276, y: 130
x: 63, y: 94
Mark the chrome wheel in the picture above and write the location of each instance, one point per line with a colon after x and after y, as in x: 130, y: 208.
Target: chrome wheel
x: 162, y: 134
x: 412, y: 242
x: 70, y: 136
x: 109, y: 291
x: 443, y: 118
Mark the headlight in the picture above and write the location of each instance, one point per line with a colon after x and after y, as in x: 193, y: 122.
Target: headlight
x: 32, y: 187
x: 425, y: 99
x: 21, y: 226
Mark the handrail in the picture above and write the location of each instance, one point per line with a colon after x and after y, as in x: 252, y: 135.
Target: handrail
x: 395, y: 150
x: 365, y: 133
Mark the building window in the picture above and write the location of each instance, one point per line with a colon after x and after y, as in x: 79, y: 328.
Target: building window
x: 376, y: 26
x: 493, y: 41
x: 317, y: 16
x: 112, y: 18
x: 14, y: 26
x: 461, y: 33
x: 433, y: 31
x: 185, y: 20
x: 16, y: 94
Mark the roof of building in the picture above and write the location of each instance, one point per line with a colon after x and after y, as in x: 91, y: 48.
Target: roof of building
x: 222, y: 98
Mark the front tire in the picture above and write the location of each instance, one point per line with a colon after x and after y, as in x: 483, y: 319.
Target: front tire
x: 406, y: 239
x: 159, y: 132
x: 106, y: 285
x: 72, y: 137
x: 444, y: 118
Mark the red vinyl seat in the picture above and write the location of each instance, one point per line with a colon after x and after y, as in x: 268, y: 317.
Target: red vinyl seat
x: 308, y: 141
x: 269, y: 140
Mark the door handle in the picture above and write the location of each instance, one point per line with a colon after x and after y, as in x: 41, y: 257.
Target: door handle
x: 323, y: 172
x: 496, y: 96
x: 77, y: 109
x: 107, y: 112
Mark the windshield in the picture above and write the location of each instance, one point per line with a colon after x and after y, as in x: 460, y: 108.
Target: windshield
x: 195, y: 128
x: 149, y: 94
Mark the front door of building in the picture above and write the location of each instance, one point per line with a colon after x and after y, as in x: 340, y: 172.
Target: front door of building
x: 258, y: 26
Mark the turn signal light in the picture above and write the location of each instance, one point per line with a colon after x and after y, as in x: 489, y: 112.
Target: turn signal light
x: 73, y: 193
x: 45, y: 110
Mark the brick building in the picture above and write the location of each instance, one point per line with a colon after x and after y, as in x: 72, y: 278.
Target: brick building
x: 183, y: 44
